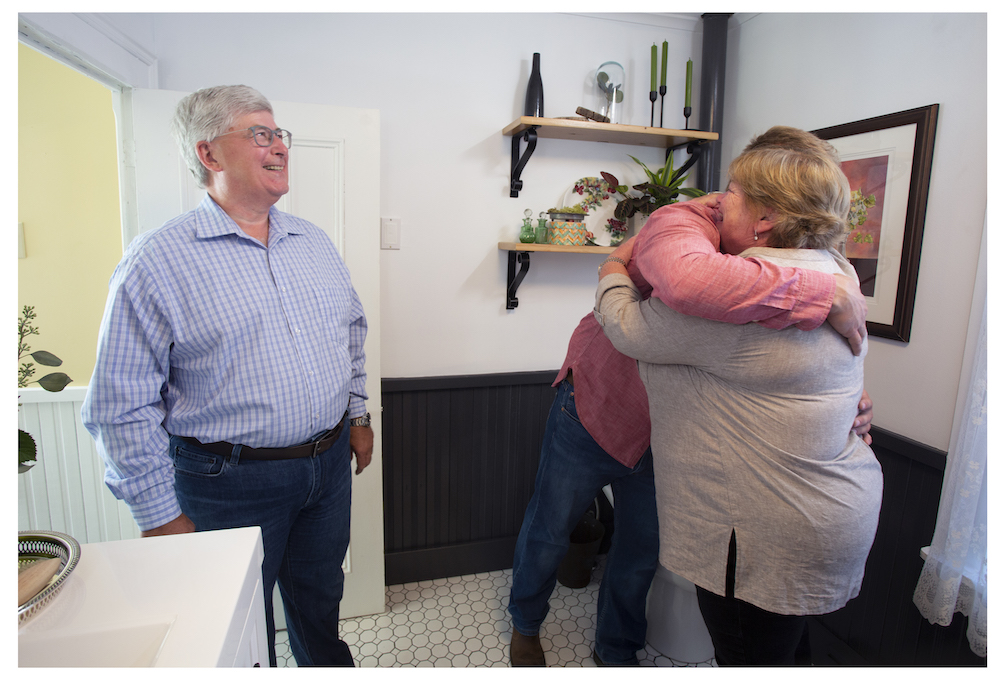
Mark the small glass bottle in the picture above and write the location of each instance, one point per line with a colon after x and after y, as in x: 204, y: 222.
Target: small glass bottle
x: 541, y: 231
x: 527, y: 235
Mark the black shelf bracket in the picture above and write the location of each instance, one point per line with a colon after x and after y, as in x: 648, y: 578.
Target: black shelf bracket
x: 514, y: 280
x: 518, y: 161
x: 694, y: 149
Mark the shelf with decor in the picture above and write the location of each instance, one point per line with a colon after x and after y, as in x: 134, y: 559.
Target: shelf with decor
x: 521, y: 253
x: 530, y: 128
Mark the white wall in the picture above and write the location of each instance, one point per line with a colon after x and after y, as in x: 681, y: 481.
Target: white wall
x: 446, y: 85
x: 817, y: 70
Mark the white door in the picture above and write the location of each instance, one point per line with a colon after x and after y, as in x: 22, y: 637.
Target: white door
x: 334, y: 183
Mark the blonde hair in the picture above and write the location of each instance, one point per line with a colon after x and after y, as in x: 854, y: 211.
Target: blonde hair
x: 805, y: 188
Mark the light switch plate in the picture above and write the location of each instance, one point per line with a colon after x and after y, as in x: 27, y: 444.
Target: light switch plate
x: 20, y: 241
x: 390, y: 234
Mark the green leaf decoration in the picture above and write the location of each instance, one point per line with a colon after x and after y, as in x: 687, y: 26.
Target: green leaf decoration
x: 692, y: 192
x: 46, y: 358
x: 55, y: 382
x: 26, y: 451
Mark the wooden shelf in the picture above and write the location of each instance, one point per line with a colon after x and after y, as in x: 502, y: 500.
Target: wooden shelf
x: 614, y: 133
x: 552, y: 248
x: 530, y: 128
x: 521, y: 253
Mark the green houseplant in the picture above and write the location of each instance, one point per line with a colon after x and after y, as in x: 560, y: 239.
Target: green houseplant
x: 27, y: 450
x: 661, y: 189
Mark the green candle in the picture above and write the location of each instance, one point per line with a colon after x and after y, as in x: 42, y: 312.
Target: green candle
x: 687, y: 88
x: 663, y: 65
x: 652, y: 68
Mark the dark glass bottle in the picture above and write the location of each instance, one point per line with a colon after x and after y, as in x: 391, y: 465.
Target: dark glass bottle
x: 534, y: 100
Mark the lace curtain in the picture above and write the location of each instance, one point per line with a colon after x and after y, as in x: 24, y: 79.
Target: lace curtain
x: 954, y: 574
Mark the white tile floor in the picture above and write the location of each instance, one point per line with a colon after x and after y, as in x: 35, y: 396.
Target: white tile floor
x: 463, y: 622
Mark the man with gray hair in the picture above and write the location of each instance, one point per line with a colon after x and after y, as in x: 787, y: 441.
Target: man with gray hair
x: 229, y: 388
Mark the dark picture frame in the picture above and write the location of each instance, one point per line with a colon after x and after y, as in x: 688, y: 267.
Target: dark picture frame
x: 888, y: 162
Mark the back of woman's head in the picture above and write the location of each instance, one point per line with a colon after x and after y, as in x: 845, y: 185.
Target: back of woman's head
x: 806, y: 190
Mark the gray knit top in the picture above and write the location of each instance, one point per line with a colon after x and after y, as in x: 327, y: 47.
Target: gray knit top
x: 751, y: 431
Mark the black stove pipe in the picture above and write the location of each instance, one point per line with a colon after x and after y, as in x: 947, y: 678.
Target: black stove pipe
x: 713, y: 90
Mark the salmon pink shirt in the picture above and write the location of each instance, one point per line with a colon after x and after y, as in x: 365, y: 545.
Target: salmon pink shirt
x: 676, y: 259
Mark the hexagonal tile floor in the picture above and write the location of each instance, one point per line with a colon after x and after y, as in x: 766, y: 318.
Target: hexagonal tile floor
x: 463, y: 622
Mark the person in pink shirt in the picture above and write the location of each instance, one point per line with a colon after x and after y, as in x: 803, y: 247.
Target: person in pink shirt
x: 598, y: 429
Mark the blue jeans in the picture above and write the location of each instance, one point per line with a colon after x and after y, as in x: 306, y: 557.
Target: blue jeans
x: 572, y: 470
x: 303, y: 507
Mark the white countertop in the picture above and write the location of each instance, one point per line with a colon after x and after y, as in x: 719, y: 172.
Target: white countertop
x: 191, y: 600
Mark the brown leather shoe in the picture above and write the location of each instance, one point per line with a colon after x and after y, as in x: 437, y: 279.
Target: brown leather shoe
x: 525, y: 651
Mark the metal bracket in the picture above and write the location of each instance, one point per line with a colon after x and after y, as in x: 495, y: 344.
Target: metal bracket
x: 518, y: 161
x: 694, y: 149
x: 514, y: 257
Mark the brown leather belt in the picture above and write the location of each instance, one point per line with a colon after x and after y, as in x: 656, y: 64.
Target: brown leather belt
x: 313, y: 448
x: 569, y: 377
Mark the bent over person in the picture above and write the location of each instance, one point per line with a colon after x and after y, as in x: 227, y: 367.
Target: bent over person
x: 229, y: 388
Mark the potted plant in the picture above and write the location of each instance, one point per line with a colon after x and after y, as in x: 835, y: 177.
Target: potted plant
x: 661, y: 189
x: 574, y: 213
x: 54, y: 382
x: 566, y: 226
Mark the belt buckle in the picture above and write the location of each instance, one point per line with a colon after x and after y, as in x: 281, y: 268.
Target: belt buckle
x: 316, y: 445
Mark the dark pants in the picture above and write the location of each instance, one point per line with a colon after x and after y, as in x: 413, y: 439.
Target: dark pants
x: 745, y: 635
x: 572, y: 471
x: 303, y: 507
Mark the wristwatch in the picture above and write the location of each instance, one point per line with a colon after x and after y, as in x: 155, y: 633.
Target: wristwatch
x: 362, y: 421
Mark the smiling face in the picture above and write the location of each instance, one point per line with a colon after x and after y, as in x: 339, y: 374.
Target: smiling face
x: 241, y: 171
x: 737, y: 221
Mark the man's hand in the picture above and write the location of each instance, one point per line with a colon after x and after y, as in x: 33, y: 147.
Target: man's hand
x: 863, y: 423
x: 362, y: 445
x: 847, y: 314
x: 179, y: 525
x: 711, y: 200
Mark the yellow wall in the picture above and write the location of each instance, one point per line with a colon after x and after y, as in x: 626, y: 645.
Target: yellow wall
x: 68, y: 202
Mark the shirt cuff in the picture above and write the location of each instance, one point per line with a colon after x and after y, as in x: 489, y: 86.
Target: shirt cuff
x: 812, y: 310
x: 156, y: 511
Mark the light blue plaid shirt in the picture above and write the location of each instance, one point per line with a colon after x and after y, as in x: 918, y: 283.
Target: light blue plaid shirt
x: 209, y: 334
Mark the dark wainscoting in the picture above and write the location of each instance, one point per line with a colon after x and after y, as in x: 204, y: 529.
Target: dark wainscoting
x: 459, y: 460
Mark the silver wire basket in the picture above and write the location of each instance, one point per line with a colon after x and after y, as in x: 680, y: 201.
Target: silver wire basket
x: 40, y: 545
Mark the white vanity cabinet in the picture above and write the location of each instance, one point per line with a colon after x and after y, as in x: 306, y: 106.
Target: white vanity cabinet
x: 185, y: 600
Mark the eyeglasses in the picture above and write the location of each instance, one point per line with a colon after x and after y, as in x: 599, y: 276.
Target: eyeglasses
x: 263, y: 136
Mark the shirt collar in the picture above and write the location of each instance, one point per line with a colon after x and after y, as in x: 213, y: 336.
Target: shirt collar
x: 214, y: 222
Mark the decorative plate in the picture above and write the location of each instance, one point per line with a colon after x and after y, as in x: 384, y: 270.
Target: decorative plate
x: 40, y: 545
x: 600, y: 201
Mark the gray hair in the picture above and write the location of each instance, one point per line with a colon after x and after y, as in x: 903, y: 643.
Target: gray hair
x: 206, y: 114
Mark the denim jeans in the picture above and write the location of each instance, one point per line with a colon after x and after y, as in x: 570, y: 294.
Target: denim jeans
x: 303, y: 507
x: 572, y: 470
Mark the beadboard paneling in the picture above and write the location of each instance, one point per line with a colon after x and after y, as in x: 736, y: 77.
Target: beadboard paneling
x: 459, y: 461
x: 65, y: 490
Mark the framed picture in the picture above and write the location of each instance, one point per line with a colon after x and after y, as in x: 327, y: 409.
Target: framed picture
x: 888, y: 163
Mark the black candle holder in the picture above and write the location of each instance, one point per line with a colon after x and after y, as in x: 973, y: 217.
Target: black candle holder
x: 663, y: 99
x: 652, y: 106
x: 687, y: 115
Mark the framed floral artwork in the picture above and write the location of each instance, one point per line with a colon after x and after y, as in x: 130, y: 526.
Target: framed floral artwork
x: 887, y: 161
